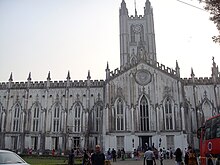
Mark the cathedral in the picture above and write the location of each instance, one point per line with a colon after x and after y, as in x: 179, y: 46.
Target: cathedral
x: 138, y: 104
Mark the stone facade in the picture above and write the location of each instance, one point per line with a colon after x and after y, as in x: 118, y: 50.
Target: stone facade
x: 141, y: 103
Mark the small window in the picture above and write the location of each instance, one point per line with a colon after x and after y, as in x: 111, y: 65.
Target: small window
x: 208, y: 133
x: 218, y: 131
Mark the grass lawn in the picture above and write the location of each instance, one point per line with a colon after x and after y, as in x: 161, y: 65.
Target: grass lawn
x: 48, y: 160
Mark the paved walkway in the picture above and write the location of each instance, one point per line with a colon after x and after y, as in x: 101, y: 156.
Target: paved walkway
x: 140, y: 162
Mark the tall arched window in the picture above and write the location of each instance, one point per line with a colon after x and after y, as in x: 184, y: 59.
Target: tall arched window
x: 56, y: 118
x: 132, y: 34
x: 144, y: 114
x: 16, y: 118
x: 76, y: 119
x: 97, y: 118
x: 207, y: 110
x: 35, y: 118
x: 168, y: 114
x: 119, y: 115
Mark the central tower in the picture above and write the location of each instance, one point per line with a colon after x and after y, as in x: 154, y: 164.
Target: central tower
x: 137, y: 38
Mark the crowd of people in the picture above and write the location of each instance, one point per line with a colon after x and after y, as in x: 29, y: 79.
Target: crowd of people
x: 187, y: 158
x: 97, y: 157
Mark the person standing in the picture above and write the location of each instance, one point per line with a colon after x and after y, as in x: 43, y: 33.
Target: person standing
x: 149, y: 157
x: 114, y: 155
x: 190, y: 157
x: 161, y: 156
x: 98, y: 158
x: 122, y: 154
x: 86, y: 158
x: 178, y: 156
x: 71, y: 158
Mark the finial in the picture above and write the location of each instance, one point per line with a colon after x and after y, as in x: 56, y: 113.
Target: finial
x: 192, y: 73
x: 10, y: 78
x: 213, y: 63
x: 68, y: 75
x: 29, y: 77
x: 177, y: 65
x: 88, y: 77
x: 107, y: 66
x: 48, y: 77
x: 135, y: 8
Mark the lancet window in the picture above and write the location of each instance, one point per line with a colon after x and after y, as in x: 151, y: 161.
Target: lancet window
x: 168, y: 114
x: 97, y: 118
x: 144, y: 114
x: 56, y: 118
x: 16, y: 118
x: 120, y: 115
x: 36, y: 118
x: 77, y: 117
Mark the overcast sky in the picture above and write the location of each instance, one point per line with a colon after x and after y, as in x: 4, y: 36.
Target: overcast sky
x: 39, y: 36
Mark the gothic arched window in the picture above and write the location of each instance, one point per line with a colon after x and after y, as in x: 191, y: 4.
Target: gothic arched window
x: 144, y: 114
x: 97, y: 118
x: 77, y: 117
x: 16, y: 118
x: 36, y: 118
x: 56, y: 118
x: 168, y: 114
x: 132, y: 34
x: 119, y: 115
x: 207, y: 110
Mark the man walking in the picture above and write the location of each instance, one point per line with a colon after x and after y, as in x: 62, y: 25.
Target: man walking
x: 98, y: 158
x: 149, y: 157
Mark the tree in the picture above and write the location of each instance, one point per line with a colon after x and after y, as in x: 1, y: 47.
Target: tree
x: 213, y: 6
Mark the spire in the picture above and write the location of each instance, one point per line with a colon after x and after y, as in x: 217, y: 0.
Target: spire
x: 177, y: 69
x: 107, y: 70
x: 192, y: 73
x: 48, y: 77
x: 48, y: 80
x: 135, y: 8
x: 123, y: 10
x: 68, y: 76
x: 10, y: 78
x: 29, y: 77
x: 107, y: 66
x: 147, y: 8
x: 215, y: 71
x: 88, y: 77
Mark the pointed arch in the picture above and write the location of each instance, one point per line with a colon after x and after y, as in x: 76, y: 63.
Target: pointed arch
x: 132, y: 33
x: 207, y: 109
x: 97, y: 116
x: 133, y: 60
x: 75, y: 118
x: 168, y: 107
x: 56, y: 117
x: 144, y: 114
x: 36, y: 117
x: 119, y: 117
x: 16, y: 117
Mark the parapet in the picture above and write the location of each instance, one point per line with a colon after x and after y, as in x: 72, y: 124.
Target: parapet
x: 152, y: 63
x: 52, y: 84
x: 199, y: 81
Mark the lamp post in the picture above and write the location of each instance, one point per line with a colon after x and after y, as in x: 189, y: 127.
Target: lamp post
x: 160, y: 140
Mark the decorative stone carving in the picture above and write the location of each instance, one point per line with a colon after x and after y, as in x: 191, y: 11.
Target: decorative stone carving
x: 143, y: 77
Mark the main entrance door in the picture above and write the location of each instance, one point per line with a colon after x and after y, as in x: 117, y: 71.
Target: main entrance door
x: 145, y: 142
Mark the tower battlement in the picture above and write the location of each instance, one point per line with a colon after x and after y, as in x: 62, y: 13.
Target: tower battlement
x: 199, y: 81
x: 136, y: 17
x: 52, y: 84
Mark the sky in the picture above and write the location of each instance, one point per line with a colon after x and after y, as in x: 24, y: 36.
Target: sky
x: 57, y: 36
